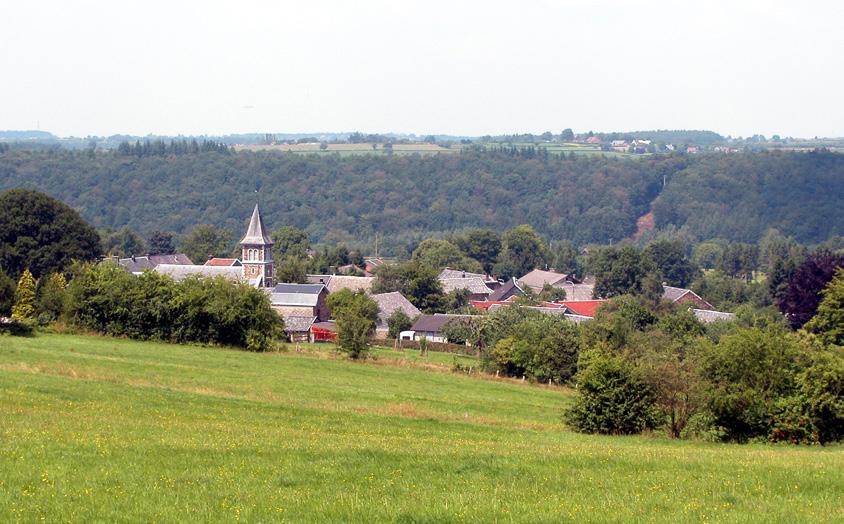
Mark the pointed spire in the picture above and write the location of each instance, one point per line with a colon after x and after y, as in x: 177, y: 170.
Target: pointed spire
x: 256, y: 234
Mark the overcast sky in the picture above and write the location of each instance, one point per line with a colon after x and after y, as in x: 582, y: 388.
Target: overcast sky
x: 737, y: 67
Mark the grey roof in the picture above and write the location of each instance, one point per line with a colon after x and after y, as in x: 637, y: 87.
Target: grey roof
x: 294, y: 299
x: 256, y: 234
x: 456, y: 273
x: 389, y: 303
x: 335, y: 283
x: 577, y: 291
x: 294, y: 324
x: 673, y: 293
x: 475, y: 285
x: 537, y: 278
x: 507, y: 289
x: 706, y: 316
x: 305, y: 289
x: 137, y: 264
x: 434, y: 323
x: 181, y: 271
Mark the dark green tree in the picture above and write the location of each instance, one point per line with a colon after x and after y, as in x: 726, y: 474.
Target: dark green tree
x: 397, y: 322
x: 522, y: 251
x: 355, y: 314
x: 7, y: 294
x: 161, y: 243
x: 124, y: 243
x: 206, y: 241
x: 670, y: 258
x: 289, y: 241
x: 483, y: 245
x: 624, y: 270
x: 42, y: 234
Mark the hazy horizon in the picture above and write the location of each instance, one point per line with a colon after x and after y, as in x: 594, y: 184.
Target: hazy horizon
x: 471, y: 69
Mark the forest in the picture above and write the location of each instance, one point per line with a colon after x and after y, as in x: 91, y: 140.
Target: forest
x: 404, y: 199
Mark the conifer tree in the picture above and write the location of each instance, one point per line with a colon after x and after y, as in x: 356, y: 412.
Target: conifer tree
x: 24, y: 308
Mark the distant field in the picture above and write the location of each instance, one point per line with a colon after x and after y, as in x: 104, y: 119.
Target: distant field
x: 101, y: 429
x: 351, y: 148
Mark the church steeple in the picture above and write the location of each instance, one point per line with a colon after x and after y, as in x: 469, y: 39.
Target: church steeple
x: 255, y: 233
x: 257, y: 252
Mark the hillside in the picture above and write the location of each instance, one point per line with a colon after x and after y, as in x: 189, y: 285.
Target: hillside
x: 405, y: 198
x: 105, y: 429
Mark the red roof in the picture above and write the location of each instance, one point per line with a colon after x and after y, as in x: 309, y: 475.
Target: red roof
x: 586, y: 308
x: 221, y: 261
x: 484, y: 305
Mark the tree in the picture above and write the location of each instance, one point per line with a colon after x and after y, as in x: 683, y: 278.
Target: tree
x: 355, y: 314
x: 802, y: 296
x: 551, y: 294
x: 51, y: 296
x: 160, y: 243
x: 671, y: 261
x: 7, y: 293
x: 567, y: 135
x: 397, y: 322
x: 624, y: 270
x: 24, y: 308
x: 482, y: 245
x: 41, y: 234
x: 707, y: 254
x: 828, y: 322
x: 206, y: 241
x: 124, y: 243
x: 439, y: 254
x: 291, y: 270
x: 289, y: 241
x: 739, y: 260
x: 419, y: 283
x: 522, y: 251
x: 612, y: 398
x: 542, y: 347
x: 565, y: 259
x: 749, y: 372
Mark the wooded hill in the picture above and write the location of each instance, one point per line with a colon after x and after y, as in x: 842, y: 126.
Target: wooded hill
x: 407, y: 198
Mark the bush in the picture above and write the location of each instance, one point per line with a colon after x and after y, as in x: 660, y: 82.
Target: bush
x: 17, y: 328
x: 542, y: 348
x: 104, y: 298
x: 397, y: 322
x: 611, y: 398
x: 355, y: 314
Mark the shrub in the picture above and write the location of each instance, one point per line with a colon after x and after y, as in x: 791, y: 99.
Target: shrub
x: 355, y: 314
x: 24, y: 308
x: 7, y: 294
x: 397, y: 322
x: 611, y: 398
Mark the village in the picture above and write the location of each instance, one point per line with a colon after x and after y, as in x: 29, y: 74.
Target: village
x: 307, y: 317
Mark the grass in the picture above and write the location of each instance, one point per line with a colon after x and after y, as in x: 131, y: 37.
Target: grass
x: 101, y: 429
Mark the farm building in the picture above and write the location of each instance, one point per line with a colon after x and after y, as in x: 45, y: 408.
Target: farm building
x: 388, y: 303
x: 300, y: 300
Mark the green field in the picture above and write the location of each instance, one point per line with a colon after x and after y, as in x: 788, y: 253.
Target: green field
x: 96, y: 429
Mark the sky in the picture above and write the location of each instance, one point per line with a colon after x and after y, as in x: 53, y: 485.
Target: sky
x: 79, y: 68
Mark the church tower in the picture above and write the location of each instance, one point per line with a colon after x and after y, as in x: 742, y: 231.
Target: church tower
x: 257, y: 251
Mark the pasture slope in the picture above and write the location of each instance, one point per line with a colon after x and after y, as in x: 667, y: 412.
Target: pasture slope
x: 97, y: 429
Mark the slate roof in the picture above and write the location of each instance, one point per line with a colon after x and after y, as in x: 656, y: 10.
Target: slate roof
x: 138, y: 264
x: 579, y: 292
x: 434, y: 323
x: 294, y: 324
x: 505, y: 290
x: 706, y: 316
x: 181, y: 271
x: 302, y: 295
x: 307, y: 289
x: 390, y: 302
x: 475, y: 285
x: 335, y: 283
x: 537, y: 278
x: 456, y: 273
x: 256, y: 233
x: 674, y: 294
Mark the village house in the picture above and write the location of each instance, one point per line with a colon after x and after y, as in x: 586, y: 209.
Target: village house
x: 431, y: 326
x: 388, y: 303
x: 506, y: 291
x: 300, y: 300
x: 678, y: 295
x: 335, y: 283
x: 537, y: 279
x: 138, y: 264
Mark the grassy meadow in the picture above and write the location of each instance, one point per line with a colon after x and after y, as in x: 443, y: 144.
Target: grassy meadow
x: 97, y: 429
